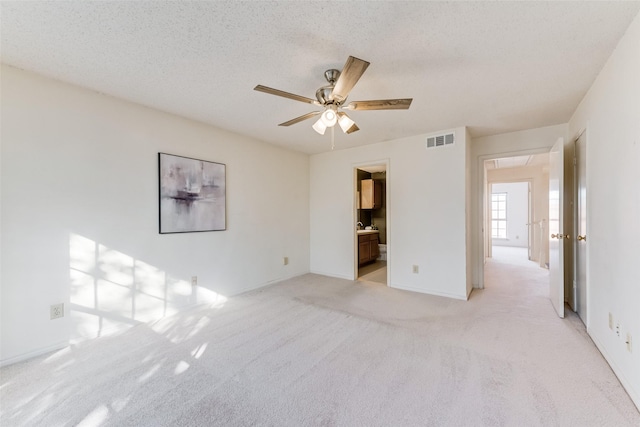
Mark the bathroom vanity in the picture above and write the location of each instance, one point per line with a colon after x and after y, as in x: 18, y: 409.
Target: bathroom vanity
x: 367, y: 246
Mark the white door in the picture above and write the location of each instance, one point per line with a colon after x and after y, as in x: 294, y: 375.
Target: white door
x: 556, y: 236
x: 581, y: 229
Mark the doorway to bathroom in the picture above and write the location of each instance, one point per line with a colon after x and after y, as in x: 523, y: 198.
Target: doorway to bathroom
x: 371, y: 230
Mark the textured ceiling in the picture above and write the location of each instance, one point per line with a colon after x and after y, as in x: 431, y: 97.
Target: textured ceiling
x: 493, y: 66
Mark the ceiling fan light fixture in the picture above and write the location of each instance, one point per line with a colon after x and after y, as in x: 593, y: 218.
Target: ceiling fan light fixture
x: 319, y: 126
x: 345, y: 122
x: 329, y: 117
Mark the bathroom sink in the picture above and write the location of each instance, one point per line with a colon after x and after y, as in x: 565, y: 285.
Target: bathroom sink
x: 367, y: 231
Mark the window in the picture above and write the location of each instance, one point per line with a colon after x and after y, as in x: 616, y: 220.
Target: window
x: 499, y: 215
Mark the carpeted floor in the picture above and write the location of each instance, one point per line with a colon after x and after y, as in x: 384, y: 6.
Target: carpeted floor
x: 512, y: 255
x: 317, y: 351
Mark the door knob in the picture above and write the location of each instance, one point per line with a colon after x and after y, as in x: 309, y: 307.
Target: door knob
x: 554, y: 236
x: 582, y: 238
x: 566, y: 236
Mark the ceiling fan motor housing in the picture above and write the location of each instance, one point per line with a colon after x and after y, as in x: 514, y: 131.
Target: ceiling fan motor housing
x: 323, y: 94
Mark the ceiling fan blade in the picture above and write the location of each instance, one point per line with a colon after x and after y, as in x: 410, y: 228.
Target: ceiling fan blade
x: 353, y: 69
x: 284, y: 94
x: 301, y: 118
x: 380, y: 104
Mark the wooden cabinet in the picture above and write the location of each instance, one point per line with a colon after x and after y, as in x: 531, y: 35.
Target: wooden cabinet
x: 364, y: 250
x: 370, y: 194
x: 375, y: 250
x: 367, y: 248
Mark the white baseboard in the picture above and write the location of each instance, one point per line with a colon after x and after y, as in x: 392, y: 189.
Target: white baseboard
x: 337, y: 276
x: 469, y: 291
x: 267, y: 283
x: 633, y: 394
x: 429, y: 292
x: 32, y: 354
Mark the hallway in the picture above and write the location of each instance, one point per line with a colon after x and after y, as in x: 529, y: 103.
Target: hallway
x: 514, y: 280
x: 513, y: 256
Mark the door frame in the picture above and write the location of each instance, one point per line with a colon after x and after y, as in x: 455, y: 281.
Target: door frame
x: 354, y: 212
x: 482, y: 199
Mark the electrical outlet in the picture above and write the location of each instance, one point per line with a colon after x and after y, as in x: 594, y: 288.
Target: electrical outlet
x: 285, y: 260
x: 57, y: 311
x: 629, y: 343
x: 415, y: 269
x: 194, y: 280
x: 611, y: 321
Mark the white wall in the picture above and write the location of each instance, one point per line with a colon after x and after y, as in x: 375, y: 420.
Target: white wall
x: 517, y: 213
x: 504, y: 145
x: 80, y: 215
x: 426, y: 210
x: 610, y: 113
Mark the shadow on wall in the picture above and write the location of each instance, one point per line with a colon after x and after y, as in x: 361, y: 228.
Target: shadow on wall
x: 111, y: 291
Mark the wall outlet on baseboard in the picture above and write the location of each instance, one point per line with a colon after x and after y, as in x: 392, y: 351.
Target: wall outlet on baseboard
x: 57, y: 311
x: 194, y: 280
x: 285, y: 260
x: 416, y: 269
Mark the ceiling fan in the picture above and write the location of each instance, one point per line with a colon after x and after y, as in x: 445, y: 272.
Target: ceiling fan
x: 332, y: 99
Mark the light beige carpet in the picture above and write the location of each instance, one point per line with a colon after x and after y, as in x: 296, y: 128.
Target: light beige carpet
x: 512, y: 255
x: 316, y: 351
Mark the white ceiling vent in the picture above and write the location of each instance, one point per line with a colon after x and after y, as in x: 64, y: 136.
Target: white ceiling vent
x: 440, y: 140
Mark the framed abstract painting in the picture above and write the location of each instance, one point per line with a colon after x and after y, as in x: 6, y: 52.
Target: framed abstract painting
x: 192, y: 194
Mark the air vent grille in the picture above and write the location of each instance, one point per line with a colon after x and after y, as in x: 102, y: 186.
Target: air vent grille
x: 440, y: 140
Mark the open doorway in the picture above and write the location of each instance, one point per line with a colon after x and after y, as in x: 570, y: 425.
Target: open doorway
x: 371, y: 223
x: 516, y: 213
x: 511, y: 221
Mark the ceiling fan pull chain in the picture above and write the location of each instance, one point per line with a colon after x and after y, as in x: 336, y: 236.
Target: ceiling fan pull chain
x: 333, y: 144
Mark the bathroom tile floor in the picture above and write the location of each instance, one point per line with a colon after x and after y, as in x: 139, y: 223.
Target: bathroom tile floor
x: 375, y: 272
